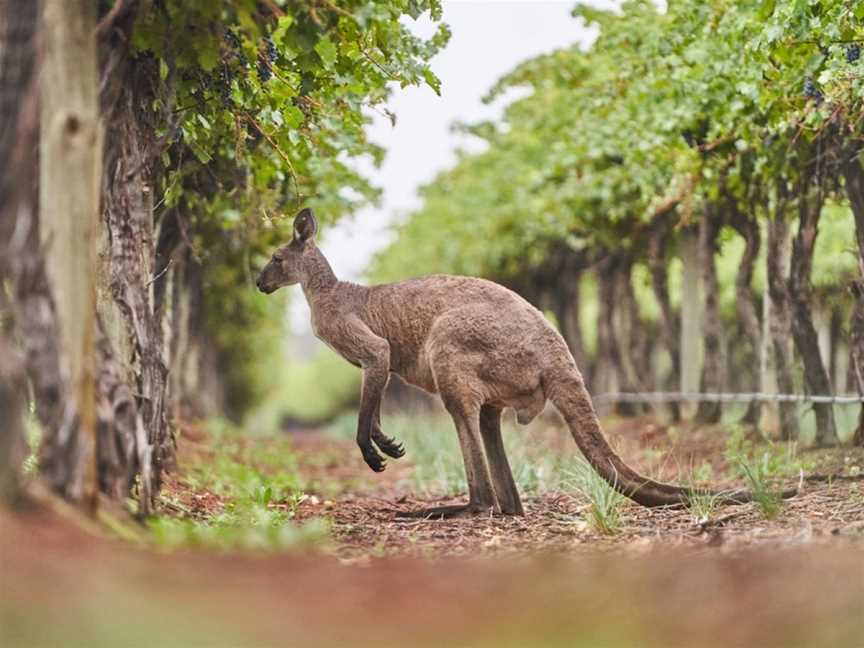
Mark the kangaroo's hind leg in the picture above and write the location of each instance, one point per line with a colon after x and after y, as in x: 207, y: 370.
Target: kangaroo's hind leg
x: 502, y: 477
x: 481, y: 491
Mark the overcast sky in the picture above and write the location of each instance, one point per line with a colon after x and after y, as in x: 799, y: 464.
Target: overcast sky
x: 489, y: 38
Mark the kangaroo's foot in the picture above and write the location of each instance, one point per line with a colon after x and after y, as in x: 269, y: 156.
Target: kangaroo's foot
x: 374, y: 460
x: 450, y: 512
x: 387, y: 445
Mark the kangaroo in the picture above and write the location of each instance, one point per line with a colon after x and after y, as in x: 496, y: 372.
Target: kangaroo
x: 478, y: 345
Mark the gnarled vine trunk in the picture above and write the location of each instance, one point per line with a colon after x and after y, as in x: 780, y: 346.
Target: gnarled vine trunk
x: 633, y: 335
x: 669, y: 329
x: 566, y: 308
x: 17, y: 57
x: 745, y: 300
x: 803, y: 331
x: 610, y: 374
x: 777, y: 262
x: 133, y: 320
x: 712, y: 367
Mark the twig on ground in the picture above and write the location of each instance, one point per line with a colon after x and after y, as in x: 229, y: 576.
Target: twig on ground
x: 707, y: 525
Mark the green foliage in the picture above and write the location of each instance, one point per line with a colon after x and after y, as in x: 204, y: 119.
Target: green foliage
x: 291, y: 130
x: 835, y: 258
x: 247, y: 527
x: 260, y: 490
x: 776, y: 459
x: 761, y: 465
x: 248, y: 329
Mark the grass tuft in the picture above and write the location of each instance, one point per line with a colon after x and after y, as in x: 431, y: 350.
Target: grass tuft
x: 769, y: 500
x: 703, y: 504
x: 606, y: 502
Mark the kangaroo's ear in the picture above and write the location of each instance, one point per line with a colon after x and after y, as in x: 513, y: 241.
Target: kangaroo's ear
x: 305, y: 226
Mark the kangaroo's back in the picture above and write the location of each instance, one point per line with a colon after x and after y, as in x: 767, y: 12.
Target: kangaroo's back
x: 481, y: 313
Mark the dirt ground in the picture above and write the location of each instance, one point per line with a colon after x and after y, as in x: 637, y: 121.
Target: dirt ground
x: 546, y: 579
x: 363, y: 511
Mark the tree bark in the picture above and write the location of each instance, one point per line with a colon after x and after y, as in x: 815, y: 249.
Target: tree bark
x: 712, y: 368
x: 658, y: 265
x: 803, y: 331
x: 563, y: 283
x: 129, y: 254
x: 70, y: 166
x: 17, y: 59
x: 13, y: 442
x: 777, y: 262
x: 128, y: 213
x: 745, y: 302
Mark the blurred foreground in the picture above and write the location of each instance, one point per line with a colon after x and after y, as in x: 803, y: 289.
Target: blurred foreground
x: 731, y: 577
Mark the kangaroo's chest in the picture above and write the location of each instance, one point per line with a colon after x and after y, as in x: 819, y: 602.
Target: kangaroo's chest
x: 334, y: 339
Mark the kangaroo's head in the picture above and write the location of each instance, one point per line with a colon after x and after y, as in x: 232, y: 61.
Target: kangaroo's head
x: 286, y: 266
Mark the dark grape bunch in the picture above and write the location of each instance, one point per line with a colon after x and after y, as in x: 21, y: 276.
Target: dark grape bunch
x: 272, y: 52
x: 811, y: 91
x: 264, y: 71
x: 225, y: 78
x: 853, y: 53
x: 265, y: 60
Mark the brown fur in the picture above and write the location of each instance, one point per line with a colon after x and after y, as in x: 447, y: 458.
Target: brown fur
x: 478, y: 345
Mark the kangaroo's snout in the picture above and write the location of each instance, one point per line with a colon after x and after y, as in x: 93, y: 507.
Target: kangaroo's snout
x: 262, y: 285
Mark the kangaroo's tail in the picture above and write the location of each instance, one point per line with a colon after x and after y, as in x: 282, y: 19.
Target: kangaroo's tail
x: 567, y: 391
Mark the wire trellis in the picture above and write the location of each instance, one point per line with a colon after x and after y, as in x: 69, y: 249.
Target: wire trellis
x: 673, y: 397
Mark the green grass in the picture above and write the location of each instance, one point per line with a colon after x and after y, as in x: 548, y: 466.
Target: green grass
x: 606, y: 503
x: 777, y: 459
x: 34, y: 437
x: 432, y: 447
x: 760, y: 465
x: 703, y: 505
x: 261, y: 490
x: 769, y: 500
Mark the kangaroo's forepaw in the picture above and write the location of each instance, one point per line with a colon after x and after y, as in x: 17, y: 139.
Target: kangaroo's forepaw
x: 375, y: 461
x: 389, y: 446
